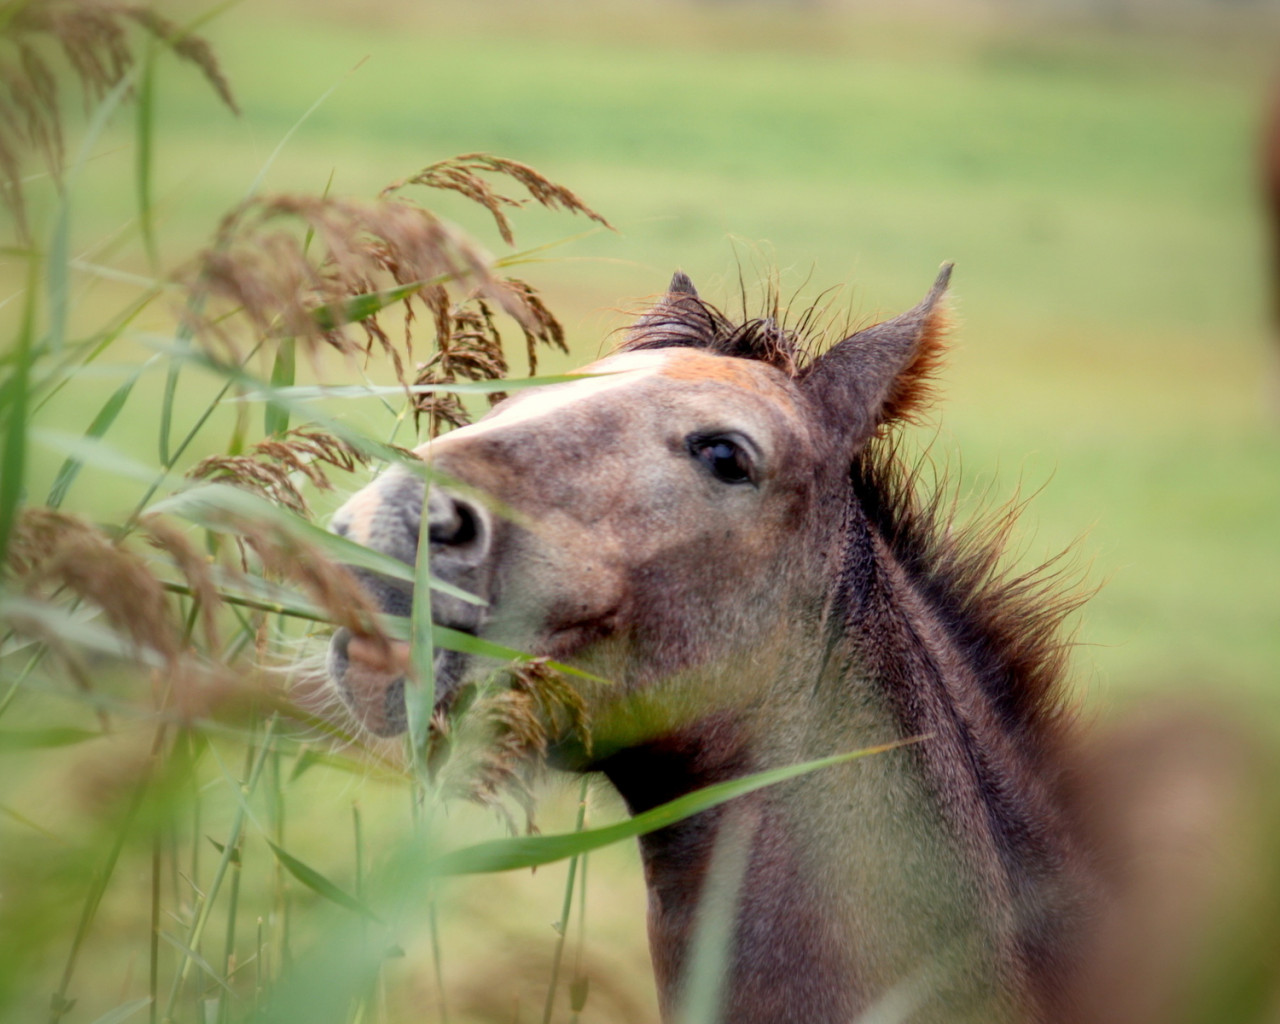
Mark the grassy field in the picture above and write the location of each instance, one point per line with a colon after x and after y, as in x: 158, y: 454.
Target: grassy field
x: 1096, y: 191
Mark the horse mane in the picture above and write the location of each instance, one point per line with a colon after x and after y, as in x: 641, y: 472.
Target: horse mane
x: 1007, y: 622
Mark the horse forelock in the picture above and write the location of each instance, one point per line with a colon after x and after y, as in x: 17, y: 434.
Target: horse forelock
x: 687, y: 321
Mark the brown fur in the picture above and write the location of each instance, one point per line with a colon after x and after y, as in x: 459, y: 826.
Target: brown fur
x: 822, y: 602
x: 1270, y: 179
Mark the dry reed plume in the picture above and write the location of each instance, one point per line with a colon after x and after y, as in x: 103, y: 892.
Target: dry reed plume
x: 309, y: 267
x: 497, y: 745
x: 94, y: 40
x: 55, y: 552
x: 462, y: 174
x: 269, y: 469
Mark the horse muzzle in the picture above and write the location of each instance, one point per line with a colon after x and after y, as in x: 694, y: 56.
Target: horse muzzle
x: 369, y: 674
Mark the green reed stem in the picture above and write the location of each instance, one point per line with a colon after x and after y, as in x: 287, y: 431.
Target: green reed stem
x: 233, y: 903
x: 15, y: 394
x: 701, y: 989
x: 153, y: 973
x: 16, y: 685
x: 578, y: 987
x: 228, y: 851
x: 144, y: 153
x: 420, y: 700
x: 562, y: 927
x: 58, y: 1004
x: 437, y: 962
x: 168, y: 463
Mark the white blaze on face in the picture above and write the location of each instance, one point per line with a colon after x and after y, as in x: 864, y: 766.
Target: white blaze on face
x: 358, y: 516
x: 550, y: 400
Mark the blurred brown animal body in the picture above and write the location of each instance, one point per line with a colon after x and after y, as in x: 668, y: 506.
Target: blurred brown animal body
x: 1271, y: 201
x: 725, y: 537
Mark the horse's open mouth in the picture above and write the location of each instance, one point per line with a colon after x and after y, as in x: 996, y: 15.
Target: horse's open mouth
x: 369, y: 675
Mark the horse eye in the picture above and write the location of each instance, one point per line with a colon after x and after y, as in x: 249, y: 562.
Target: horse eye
x: 727, y: 460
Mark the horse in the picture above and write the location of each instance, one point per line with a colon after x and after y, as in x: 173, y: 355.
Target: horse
x: 724, y: 527
x: 1270, y: 182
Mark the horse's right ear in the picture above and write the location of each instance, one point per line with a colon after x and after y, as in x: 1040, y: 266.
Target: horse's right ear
x: 681, y: 285
x: 881, y: 373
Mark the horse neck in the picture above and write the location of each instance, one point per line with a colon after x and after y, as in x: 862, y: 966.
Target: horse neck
x: 925, y: 873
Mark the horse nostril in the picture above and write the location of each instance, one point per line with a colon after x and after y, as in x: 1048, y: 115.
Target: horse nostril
x: 340, y: 641
x: 468, y: 529
x: 454, y: 522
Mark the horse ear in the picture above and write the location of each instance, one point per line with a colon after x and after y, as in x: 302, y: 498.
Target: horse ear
x: 681, y: 285
x: 678, y: 317
x: 882, y: 373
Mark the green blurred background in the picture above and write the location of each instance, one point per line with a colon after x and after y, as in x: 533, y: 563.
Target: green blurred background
x: 1091, y: 170
x: 1094, y: 178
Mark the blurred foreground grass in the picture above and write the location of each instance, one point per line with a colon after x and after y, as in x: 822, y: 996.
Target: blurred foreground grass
x: 1096, y: 191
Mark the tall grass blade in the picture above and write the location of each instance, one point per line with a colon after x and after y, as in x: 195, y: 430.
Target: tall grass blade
x: 229, y: 851
x: 153, y: 943
x: 312, y: 393
x: 74, y: 368
x: 91, y: 449
x: 167, y: 455
x: 532, y: 851
x: 100, y: 425
x: 420, y: 698
x: 317, y: 882
x: 562, y: 927
x: 238, y: 377
x: 276, y: 416
x: 124, y: 1012
x: 35, y: 826
x: 143, y: 152
x: 58, y: 276
x: 284, y: 139
x: 703, y: 984
x: 44, y: 739
x: 74, y: 630
x: 195, y: 958
x: 16, y: 394
x: 59, y: 1004
x: 59, y: 268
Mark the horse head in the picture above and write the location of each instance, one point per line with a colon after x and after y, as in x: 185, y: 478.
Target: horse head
x: 676, y: 506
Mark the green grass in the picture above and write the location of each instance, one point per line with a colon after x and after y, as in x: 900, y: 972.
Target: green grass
x: 1094, y: 189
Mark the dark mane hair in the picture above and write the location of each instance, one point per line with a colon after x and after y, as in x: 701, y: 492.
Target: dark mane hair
x: 683, y: 320
x: 1009, y: 622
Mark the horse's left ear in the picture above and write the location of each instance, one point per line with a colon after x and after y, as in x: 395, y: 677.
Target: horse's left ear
x: 882, y: 373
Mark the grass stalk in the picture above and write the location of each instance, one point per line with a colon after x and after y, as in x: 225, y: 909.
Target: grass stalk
x: 11, y: 693
x: 421, y: 697
x: 153, y: 973
x: 59, y: 1004
x: 168, y: 463
x: 578, y: 987
x: 711, y: 949
x: 233, y: 903
x: 144, y: 153
x: 224, y: 864
x: 437, y: 961
x: 16, y: 391
x: 562, y: 926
